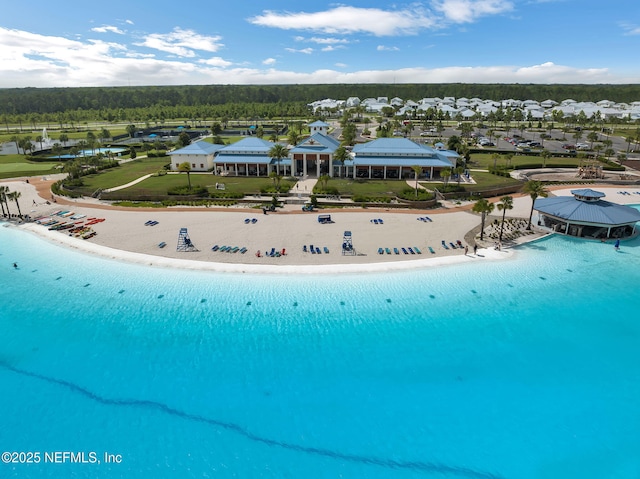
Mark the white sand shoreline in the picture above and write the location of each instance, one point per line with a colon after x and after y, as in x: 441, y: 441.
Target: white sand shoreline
x: 123, y: 236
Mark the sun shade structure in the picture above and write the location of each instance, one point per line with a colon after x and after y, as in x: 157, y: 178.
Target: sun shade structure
x: 586, y: 214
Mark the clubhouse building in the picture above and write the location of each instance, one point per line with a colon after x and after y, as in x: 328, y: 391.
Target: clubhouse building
x: 384, y: 158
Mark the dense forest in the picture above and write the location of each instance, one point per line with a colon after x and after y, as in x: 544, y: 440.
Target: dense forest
x: 287, y: 100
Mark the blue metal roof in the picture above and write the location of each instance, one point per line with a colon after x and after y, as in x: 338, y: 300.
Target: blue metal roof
x: 425, y: 162
x: 317, y: 143
x: 595, y: 212
x: 198, y: 148
x: 248, y: 145
x: 250, y: 159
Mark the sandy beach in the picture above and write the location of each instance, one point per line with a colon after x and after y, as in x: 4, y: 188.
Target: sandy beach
x: 124, y: 235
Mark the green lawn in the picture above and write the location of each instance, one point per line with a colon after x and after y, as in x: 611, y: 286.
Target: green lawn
x: 159, y: 185
x: 485, y: 160
x: 16, y: 165
x: 348, y: 186
x: 125, y: 173
x: 485, y: 180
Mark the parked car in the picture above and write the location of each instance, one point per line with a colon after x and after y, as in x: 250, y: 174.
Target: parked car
x: 569, y: 146
x: 534, y: 144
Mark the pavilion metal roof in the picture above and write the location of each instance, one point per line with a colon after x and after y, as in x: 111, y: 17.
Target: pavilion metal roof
x: 594, y: 212
x: 198, y: 148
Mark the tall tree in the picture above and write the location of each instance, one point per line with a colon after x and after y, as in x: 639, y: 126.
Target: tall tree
x: 278, y: 152
x: 14, y: 195
x: 185, y: 167
x: 506, y: 203
x: 534, y: 189
x: 417, y: 170
x: 484, y: 207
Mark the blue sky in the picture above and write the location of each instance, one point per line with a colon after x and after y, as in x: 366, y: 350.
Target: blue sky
x: 120, y: 43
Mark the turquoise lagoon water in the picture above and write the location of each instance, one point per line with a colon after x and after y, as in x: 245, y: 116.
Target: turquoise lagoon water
x: 519, y: 369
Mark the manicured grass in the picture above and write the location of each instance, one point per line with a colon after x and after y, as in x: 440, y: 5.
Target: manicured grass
x: 125, y: 173
x: 485, y: 180
x: 12, y: 166
x: 482, y: 160
x: 159, y: 185
x: 366, y: 187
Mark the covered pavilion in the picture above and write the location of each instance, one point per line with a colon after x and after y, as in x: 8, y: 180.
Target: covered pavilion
x: 587, y: 215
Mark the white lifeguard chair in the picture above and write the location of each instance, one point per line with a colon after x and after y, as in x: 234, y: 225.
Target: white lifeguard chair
x: 347, y: 244
x: 184, y: 242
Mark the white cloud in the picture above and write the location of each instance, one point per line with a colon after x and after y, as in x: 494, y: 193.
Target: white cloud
x: 269, y: 61
x: 107, y: 28
x: 467, y: 11
x: 28, y: 59
x: 331, y: 48
x: 307, y: 51
x: 630, y: 29
x: 350, y: 20
x: 216, y: 62
x: 383, y: 48
x: 129, y: 22
x: 182, y: 42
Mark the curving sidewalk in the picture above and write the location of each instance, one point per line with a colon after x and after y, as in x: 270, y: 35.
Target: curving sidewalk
x: 131, y: 183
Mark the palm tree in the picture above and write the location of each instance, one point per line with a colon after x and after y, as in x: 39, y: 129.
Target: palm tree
x: 276, y: 179
x: 445, y: 174
x: 417, y: 170
x: 278, y: 152
x: 4, y: 193
x: 3, y: 190
x: 324, y: 179
x: 545, y: 154
x: 342, y: 154
x: 458, y: 170
x: 484, y: 207
x: 534, y: 189
x: 57, y: 149
x: 186, y: 168
x: 14, y: 196
x: 506, y: 203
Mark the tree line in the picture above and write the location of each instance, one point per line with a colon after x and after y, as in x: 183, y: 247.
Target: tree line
x: 284, y: 100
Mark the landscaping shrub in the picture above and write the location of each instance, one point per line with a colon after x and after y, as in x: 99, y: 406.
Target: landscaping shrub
x: 185, y: 191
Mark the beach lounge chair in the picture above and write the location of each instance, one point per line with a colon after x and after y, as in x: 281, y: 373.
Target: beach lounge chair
x: 420, y: 218
x: 215, y: 247
x: 404, y: 250
x: 283, y: 252
x: 235, y: 249
x: 444, y: 245
x: 411, y: 250
x: 431, y: 250
x: 318, y: 250
x: 243, y: 250
x: 428, y: 219
x: 417, y: 250
x: 254, y: 220
x: 162, y: 244
x: 326, y: 250
x: 387, y: 250
x: 380, y: 221
x: 380, y: 251
x: 148, y: 223
x: 247, y: 220
x: 304, y: 248
x: 396, y: 251
x: 273, y: 252
x: 452, y: 245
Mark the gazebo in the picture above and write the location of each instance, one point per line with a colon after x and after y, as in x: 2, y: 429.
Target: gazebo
x: 587, y: 215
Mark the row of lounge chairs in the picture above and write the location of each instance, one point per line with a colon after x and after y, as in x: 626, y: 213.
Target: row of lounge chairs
x: 151, y: 223
x: 377, y: 221
x: 456, y: 245
x: 314, y: 249
x: 407, y: 250
x: 272, y: 253
x: 424, y: 219
x: 229, y: 249
x: 627, y: 193
x: 251, y: 220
